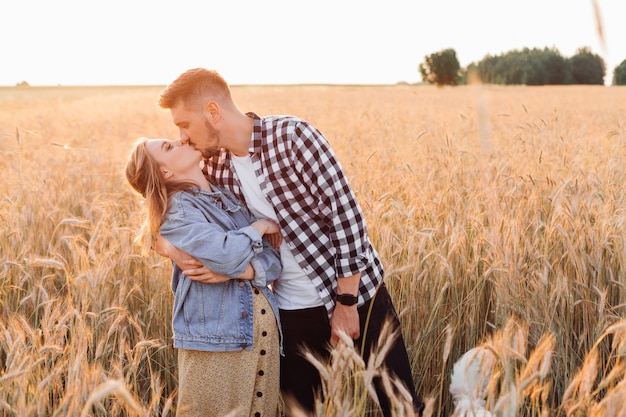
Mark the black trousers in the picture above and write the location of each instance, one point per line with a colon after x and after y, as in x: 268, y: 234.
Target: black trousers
x: 310, y: 329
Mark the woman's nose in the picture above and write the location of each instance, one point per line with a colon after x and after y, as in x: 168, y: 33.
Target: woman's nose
x: 178, y: 142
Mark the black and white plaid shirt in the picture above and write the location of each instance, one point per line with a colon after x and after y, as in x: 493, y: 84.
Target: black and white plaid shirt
x: 321, y: 221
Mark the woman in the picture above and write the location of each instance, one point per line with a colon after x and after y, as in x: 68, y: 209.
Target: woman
x: 225, y: 332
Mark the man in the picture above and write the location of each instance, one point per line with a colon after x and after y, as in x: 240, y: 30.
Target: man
x: 285, y: 170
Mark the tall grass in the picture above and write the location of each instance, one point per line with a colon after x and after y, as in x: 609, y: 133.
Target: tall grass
x: 497, y: 211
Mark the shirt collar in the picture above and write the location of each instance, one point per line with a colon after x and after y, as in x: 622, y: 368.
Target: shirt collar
x: 257, y: 133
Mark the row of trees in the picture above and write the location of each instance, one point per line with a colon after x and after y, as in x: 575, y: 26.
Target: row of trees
x: 528, y: 66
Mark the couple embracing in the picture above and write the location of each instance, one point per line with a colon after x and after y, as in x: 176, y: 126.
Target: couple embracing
x: 270, y: 251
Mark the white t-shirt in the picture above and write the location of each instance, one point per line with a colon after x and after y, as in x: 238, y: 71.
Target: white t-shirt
x: 293, y: 289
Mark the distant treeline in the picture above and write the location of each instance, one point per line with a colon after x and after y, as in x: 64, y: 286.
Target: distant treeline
x: 523, y: 67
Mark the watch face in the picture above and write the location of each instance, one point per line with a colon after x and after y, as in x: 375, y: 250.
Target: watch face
x: 347, y: 299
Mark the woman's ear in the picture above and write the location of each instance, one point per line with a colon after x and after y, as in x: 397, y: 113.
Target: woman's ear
x: 167, y: 174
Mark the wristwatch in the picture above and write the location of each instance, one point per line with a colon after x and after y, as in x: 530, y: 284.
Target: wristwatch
x: 347, y: 299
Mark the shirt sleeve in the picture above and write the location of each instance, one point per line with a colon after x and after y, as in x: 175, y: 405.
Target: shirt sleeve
x: 321, y: 171
x: 226, y: 252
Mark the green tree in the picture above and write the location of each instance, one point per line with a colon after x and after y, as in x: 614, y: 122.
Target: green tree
x: 441, y: 68
x: 555, y: 66
x: 619, y: 74
x: 587, y: 67
x: 527, y: 66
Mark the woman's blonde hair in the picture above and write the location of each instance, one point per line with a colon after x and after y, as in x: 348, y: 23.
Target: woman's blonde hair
x: 143, y: 173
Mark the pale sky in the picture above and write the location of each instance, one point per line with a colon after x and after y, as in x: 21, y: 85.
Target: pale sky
x: 150, y: 42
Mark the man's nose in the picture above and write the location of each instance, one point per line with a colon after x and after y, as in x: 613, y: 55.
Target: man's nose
x: 184, y: 140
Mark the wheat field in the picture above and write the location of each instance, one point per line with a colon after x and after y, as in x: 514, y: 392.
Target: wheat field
x: 499, y: 213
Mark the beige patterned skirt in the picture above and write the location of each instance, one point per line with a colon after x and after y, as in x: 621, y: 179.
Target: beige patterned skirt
x: 236, y: 384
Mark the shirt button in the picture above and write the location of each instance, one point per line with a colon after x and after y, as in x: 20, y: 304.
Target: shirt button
x: 244, y: 315
x: 243, y: 345
x: 264, y: 333
x: 263, y: 311
x: 256, y: 291
x: 241, y: 284
x: 263, y: 352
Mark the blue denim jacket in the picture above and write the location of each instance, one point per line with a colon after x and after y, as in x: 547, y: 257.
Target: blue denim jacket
x: 214, y: 227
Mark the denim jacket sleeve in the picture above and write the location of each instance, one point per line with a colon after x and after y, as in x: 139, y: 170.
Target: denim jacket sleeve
x: 226, y: 252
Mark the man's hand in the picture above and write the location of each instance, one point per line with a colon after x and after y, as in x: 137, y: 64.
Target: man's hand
x: 190, y: 266
x: 275, y: 239
x: 164, y: 248
x: 344, y: 319
x: 270, y: 229
x: 203, y: 274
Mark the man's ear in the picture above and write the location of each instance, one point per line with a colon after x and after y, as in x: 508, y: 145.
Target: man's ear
x: 212, y: 111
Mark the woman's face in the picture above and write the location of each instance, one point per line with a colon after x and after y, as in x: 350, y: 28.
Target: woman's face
x: 174, y: 158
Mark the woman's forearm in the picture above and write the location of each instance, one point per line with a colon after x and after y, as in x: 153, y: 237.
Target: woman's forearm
x: 248, y: 273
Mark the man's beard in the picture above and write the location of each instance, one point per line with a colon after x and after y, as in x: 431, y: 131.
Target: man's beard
x: 208, y: 153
